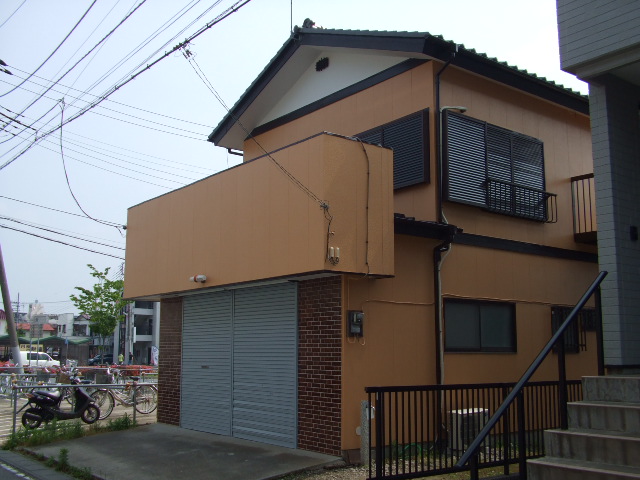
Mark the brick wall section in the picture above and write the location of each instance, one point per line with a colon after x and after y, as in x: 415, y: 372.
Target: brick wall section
x: 320, y: 365
x: 170, y: 361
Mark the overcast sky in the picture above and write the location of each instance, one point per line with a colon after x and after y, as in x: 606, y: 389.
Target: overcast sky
x: 149, y: 137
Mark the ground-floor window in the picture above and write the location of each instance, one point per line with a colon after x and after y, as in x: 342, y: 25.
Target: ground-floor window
x: 479, y: 326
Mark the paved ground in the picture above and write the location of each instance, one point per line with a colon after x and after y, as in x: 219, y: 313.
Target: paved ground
x: 159, y: 451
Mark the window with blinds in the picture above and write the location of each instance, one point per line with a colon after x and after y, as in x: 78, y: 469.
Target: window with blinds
x: 409, y: 139
x: 493, y: 168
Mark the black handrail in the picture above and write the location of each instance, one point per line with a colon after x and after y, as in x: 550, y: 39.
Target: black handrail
x: 475, y: 445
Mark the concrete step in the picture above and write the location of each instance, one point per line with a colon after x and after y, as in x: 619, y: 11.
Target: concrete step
x: 551, y: 468
x: 605, y: 416
x: 600, y: 447
x: 611, y: 389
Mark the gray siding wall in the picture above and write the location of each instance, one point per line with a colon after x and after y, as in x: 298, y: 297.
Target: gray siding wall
x: 616, y: 151
x: 592, y: 28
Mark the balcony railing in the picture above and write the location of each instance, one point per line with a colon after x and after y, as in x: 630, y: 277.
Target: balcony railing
x: 520, y: 201
x: 583, y: 202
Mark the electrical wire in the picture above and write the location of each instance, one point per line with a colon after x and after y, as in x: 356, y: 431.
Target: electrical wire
x: 84, y: 92
x: 81, y: 59
x: 113, y: 7
x: 294, y: 180
x: 233, y: 9
x: 14, y: 12
x: 54, y: 209
x: 151, y: 37
x: 56, y: 49
x: 59, y: 241
x: 57, y: 232
x: 121, y: 174
x: 66, y: 175
x: 31, y: 126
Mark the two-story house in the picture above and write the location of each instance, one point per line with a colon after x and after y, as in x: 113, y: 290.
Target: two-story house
x: 404, y: 215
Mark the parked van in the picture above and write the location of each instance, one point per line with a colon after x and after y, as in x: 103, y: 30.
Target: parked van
x: 36, y: 359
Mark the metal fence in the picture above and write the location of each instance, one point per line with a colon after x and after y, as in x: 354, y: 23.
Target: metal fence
x: 423, y: 430
x: 13, y: 388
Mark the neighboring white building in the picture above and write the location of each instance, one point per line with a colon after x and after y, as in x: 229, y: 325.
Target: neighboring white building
x: 600, y: 44
x: 140, y: 333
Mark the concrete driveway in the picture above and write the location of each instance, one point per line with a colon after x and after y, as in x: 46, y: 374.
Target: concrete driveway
x: 159, y: 451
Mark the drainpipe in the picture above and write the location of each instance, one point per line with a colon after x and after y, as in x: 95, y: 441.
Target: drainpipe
x: 443, y: 247
x: 439, y: 133
x: 437, y: 261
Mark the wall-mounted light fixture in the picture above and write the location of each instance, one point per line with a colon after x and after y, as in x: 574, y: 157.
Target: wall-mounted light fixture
x: 198, y: 278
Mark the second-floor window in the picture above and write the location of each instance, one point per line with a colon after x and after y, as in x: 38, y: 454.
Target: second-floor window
x: 409, y: 139
x: 494, y: 168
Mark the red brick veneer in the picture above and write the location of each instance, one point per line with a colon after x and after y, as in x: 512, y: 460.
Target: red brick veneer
x: 320, y: 365
x: 170, y: 361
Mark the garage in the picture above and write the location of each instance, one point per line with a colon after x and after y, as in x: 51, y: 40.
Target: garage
x: 239, y: 363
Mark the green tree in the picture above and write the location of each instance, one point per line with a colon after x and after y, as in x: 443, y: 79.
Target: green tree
x: 103, y: 304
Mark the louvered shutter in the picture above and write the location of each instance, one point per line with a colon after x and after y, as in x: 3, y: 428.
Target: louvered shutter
x: 408, y: 138
x: 465, y: 160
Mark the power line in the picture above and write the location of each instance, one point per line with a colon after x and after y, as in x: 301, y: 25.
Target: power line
x: 118, y: 173
x: 324, y: 205
x: 28, y: 224
x: 14, y: 12
x: 84, y: 92
x: 234, y: 8
x: 66, y: 175
x: 53, y: 209
x: 61, y: 242
x: 56, y: 49
x: 75, y: 64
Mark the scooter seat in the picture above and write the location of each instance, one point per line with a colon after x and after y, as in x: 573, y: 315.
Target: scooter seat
x: 51, y: 395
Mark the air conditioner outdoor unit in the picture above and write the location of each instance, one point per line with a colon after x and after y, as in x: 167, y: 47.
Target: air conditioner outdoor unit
x: 465, y: 425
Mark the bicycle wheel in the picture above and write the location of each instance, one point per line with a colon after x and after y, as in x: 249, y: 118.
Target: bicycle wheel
x: 105, y: 402
x: 146, y: 399
x: 5, y: 386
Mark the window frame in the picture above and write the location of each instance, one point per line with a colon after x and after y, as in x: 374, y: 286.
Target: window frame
x: 492, y: 161
x: 575, y: 337
x: 401, y: 166
x: 479, y: 304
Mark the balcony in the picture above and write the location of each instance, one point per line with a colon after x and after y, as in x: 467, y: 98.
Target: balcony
x: 520, y: 201
x: 265, y: 219
x: 583, y: 202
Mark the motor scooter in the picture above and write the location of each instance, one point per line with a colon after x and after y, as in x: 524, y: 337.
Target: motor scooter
x: 45, y: 406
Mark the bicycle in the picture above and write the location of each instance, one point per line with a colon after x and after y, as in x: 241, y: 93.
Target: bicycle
x: 144, y: 396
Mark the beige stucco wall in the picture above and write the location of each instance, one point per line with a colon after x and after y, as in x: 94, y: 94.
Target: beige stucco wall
x: 398, y: 347
x: 263, y: 220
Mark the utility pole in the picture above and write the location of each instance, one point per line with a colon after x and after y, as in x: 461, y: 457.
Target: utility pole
x: 11, y: 325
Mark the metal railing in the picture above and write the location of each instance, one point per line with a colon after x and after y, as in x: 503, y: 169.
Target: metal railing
x: 13, y: 386
x: 437, y: 429
x: 521, y: 201
x: 424, y: 430
x: 583, y: 203
x: 472, y: 454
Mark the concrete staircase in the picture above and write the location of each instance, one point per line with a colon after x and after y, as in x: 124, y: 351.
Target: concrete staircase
x: 603, y: 439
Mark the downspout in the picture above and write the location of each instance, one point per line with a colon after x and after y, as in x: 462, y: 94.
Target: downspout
x: 444, y: 246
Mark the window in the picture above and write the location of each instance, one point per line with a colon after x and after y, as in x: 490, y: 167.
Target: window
x: 475, y: 326
x: 494, y: 168
x: 575, y: 337
x: 409, y: 139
